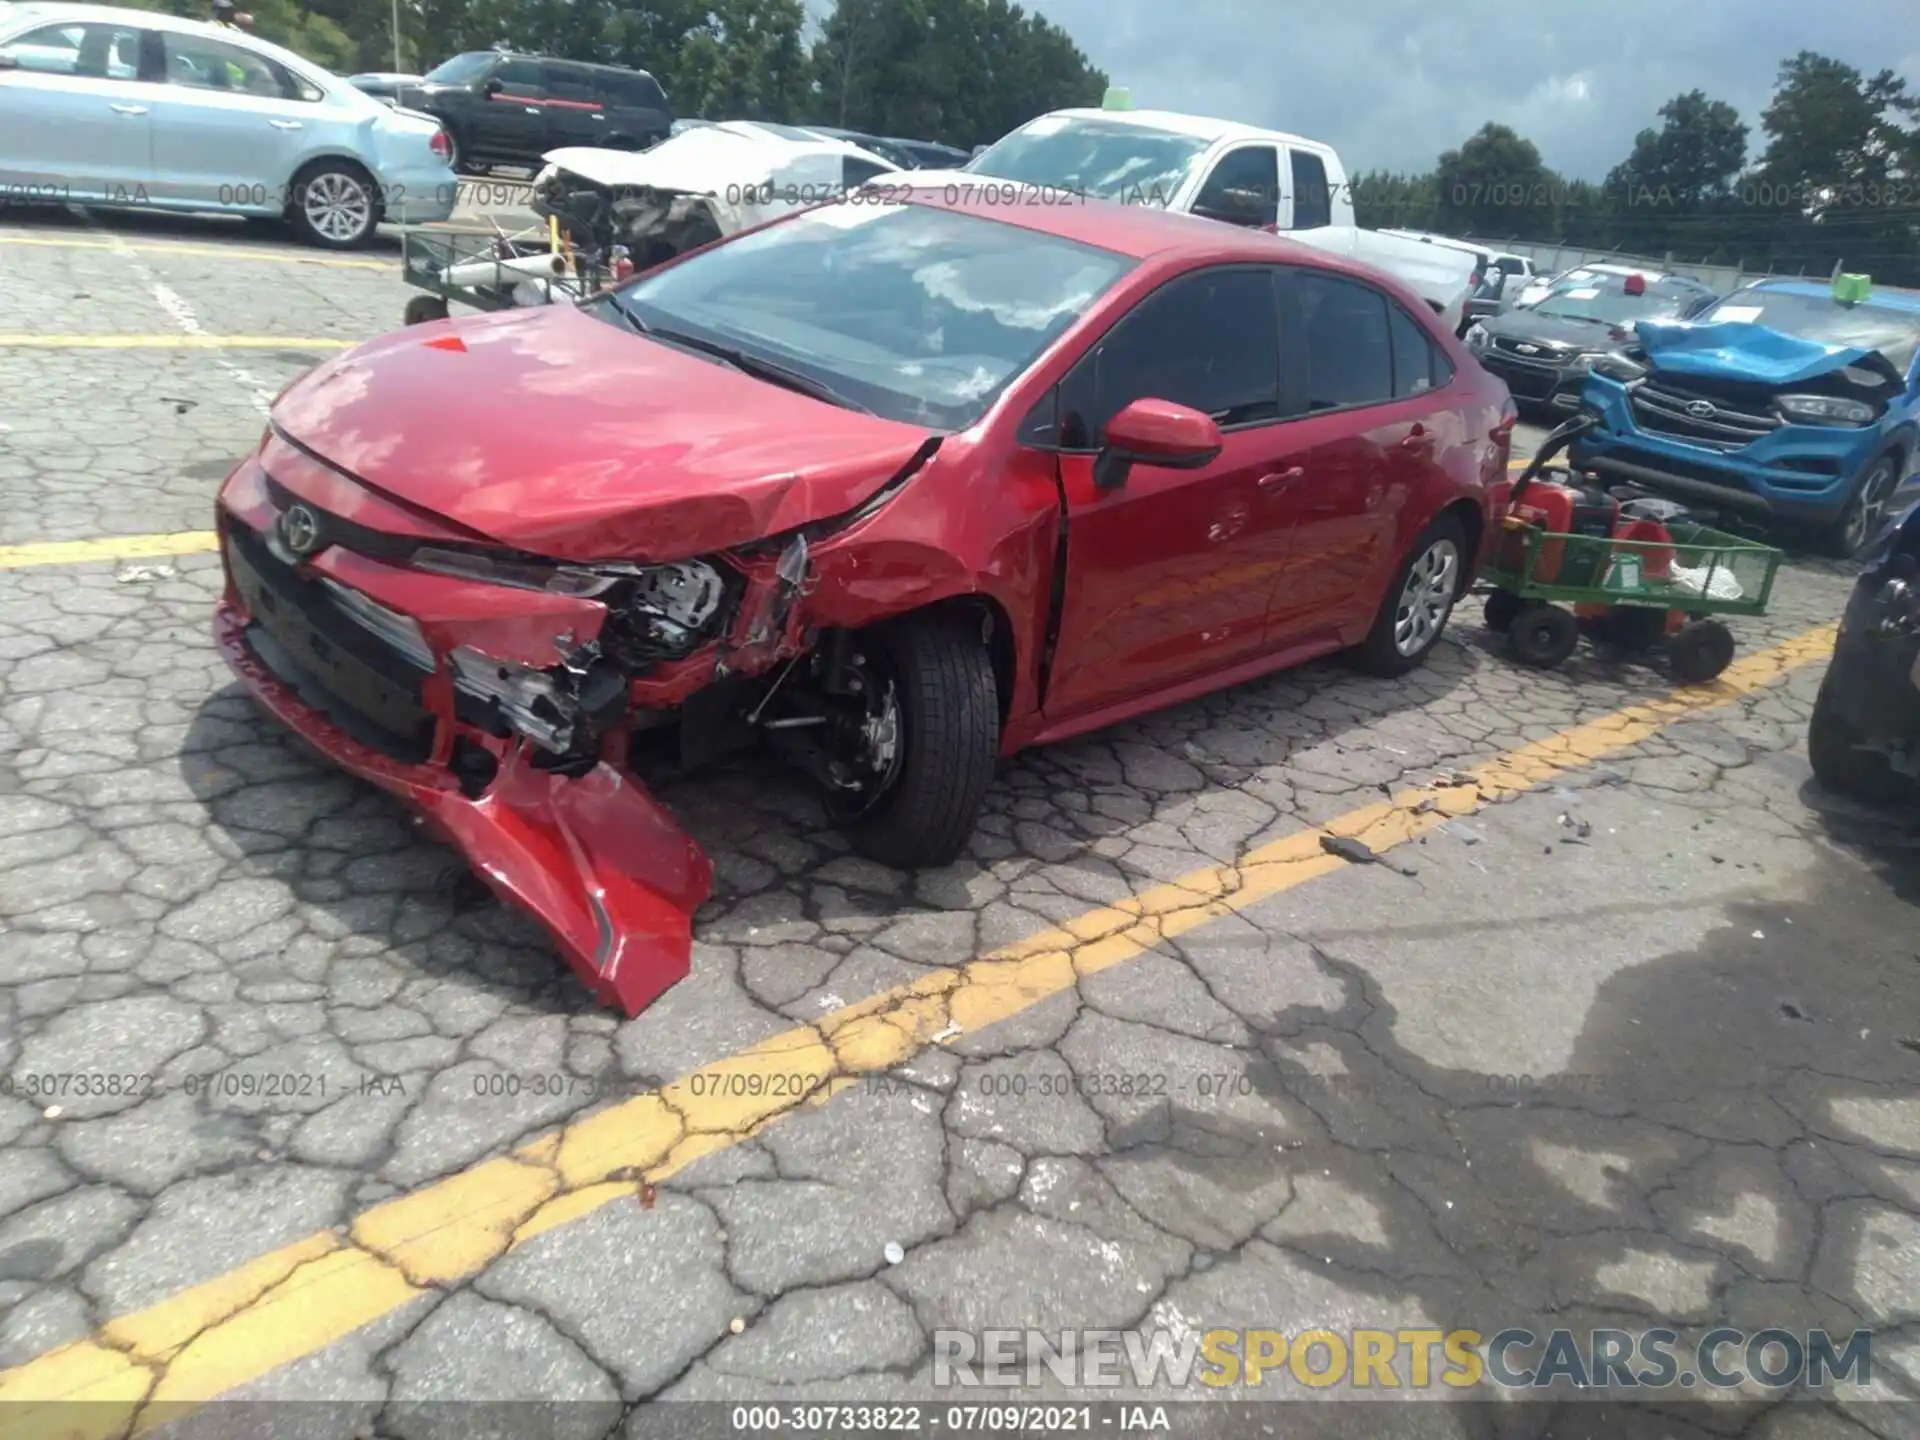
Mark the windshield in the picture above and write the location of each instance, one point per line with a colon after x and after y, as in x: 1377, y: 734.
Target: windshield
x: 1108, y: 159
x: 1610, y: 304
x: 1894, y: 333
x: 919, y: 314
x: 462, y: 69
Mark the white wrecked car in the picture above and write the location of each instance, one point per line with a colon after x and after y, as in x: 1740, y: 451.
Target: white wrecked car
x: 695, y: 187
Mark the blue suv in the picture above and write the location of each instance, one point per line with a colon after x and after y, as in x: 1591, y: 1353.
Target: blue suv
x: 1788, y: 398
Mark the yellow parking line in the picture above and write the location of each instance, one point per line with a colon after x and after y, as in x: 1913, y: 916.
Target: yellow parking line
x: 169, y: 342
x: 148, y: 1368
x: 107, y: 547
x: 224, y: 252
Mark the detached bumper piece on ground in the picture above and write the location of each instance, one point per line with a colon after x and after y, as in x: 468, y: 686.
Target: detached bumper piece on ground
x: 555, y: 828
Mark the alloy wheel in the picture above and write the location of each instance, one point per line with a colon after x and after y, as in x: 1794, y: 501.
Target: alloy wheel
x: 338, y: 206
x: 1427, y: 597
x: 1864, y: 515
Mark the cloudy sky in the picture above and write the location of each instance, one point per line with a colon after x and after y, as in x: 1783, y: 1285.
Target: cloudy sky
x: 1393, y: 82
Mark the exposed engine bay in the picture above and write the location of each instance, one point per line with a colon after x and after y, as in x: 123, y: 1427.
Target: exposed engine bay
x: 693, y: 188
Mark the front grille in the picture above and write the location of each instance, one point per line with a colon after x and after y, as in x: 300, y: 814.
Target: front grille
x: 362, y: 683
x: 1546, y: 352
x: 1664, y: 409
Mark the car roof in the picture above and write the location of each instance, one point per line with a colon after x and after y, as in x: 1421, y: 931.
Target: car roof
x: 1887, y: 297
x: 39, y: 12
x: 1139, y: 232
x: 1199, y: 127
x: 50, y: 14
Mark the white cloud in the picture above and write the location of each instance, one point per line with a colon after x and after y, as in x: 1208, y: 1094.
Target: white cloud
x: 1392, y: 83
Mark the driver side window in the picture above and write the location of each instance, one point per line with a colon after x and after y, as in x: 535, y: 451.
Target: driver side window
x: 521, y: 79
x: 1244, y: 188
x: 1210, y: 341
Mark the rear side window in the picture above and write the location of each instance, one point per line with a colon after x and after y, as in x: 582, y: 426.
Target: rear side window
x: 1312, y: 200
x: 855, y: 171
x: 1418, y: 363
x: 632, y: 90
x: 94, y: 52
x: 569, y: 82
x: 1209, y: 340
x: 199, y: 63
x: 521, y: 77
x: 1349, y: 353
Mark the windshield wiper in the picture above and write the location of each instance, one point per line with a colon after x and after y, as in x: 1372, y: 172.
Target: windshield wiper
x: 770, y: 370
x: 634, y: 322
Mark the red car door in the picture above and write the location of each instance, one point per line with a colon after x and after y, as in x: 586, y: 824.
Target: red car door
x: 1365, y: 445
x: 1167, y: 576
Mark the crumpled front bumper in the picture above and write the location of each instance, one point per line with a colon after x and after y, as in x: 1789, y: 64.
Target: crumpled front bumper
x: 595, y: 859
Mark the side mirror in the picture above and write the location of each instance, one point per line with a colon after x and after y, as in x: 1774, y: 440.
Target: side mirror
x: 493, y: 87
x: 1157, y: 433
x: 1237, y: 207
x: 9, y: 62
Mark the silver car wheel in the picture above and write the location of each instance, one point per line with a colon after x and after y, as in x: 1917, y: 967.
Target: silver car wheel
x: 338, y: 205
x: 1427, y: 598
x: 1864, y: 515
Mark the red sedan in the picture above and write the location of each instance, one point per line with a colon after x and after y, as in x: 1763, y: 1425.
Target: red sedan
x: 897, y: 488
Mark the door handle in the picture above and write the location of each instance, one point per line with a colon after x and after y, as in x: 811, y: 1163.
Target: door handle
x: 1275, y: 479
x: 1415, y: 438
x: 129, y: 109
x: 284, y: 124
x: 533, y: 109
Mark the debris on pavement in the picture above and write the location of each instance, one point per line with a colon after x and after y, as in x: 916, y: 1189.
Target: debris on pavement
x: 133, y: 574
x: 1359, y: 852
x: 894, y: 1253
x: 1462, y: 832
x: 737, y: 1325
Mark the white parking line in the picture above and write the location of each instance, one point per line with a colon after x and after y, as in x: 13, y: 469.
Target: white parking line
x: 181, y: 313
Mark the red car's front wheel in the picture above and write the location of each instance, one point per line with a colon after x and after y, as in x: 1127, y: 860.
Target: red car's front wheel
x: 943, y: 720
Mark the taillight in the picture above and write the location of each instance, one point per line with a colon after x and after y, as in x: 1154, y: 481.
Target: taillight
x: 441, y: 145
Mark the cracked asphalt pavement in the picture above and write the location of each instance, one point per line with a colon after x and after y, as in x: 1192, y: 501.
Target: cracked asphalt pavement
x: 1636, y: 1043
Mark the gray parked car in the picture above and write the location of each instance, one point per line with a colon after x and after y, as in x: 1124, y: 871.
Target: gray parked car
x: 139, y: 109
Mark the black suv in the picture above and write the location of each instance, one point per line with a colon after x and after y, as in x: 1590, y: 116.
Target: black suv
x: 503, y: 108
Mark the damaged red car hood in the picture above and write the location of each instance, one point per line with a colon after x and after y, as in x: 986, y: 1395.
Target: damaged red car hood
x: 557, y: 433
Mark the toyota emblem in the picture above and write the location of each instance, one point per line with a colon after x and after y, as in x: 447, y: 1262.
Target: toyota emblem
x: 300, y: 529
x: 1701, y: 409
x: 1528, y: 349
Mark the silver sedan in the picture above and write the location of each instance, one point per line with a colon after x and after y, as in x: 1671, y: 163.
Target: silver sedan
x: 135, y: 108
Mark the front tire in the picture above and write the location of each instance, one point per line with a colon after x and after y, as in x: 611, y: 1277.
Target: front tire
x: 1418, y: 603
x: 1498, y: 612
x: 1838, y: 763
x: 1847, y: 536
x: 335, y: 205
x: 1542, y: 635
x: 424, y: 309
x: 949, y: 708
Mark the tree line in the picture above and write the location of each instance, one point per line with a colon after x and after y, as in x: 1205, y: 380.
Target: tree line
x: 1836, y: 178
x: 1836, y: 181
x: 959, y: 71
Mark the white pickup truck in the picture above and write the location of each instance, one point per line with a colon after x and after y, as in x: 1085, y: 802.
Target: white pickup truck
x: 1218, y: 168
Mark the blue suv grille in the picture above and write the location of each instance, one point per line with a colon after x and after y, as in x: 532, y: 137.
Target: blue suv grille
x: 1666, y: 409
